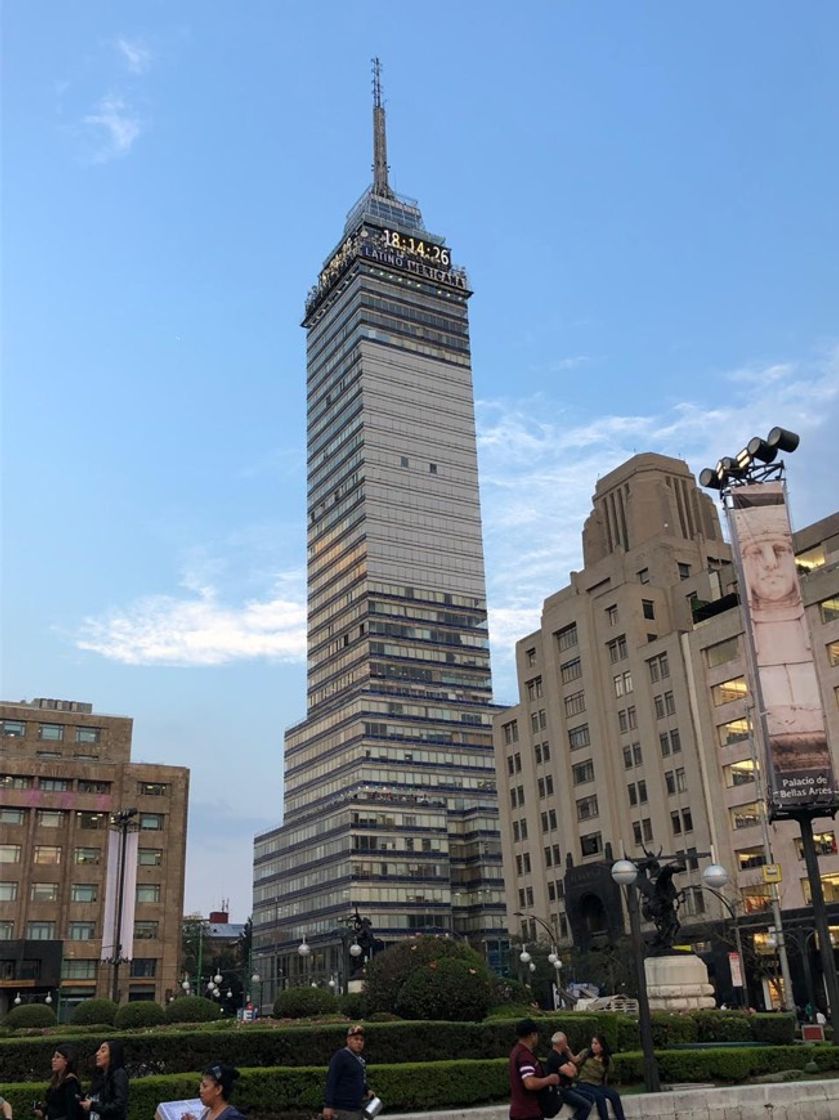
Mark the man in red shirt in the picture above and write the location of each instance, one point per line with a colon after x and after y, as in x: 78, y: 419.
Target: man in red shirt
x: 526, y: 1075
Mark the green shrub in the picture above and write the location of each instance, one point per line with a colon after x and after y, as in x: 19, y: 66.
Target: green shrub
x: 505, y: 990
x: 445, y: 989
x: 174, y: 1051
x: 300, y: 1003
x: 384, y: 1017
x: 295, y: 1093
x: 722, y: 1026
x: 670, y: 1029
x: 91, y: 1012
x: 773, y: 1027
x: 628, y: 1034
x: 351, y: 1004
x: 192, y: 1009
x: 30, y: 1015
x: 141, y: 1013
x: 388, y: 971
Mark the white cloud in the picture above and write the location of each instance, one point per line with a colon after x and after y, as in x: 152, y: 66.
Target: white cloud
x: 136, y: 54
x: 538, y: 471
x: 114, y: 125
x: 539, y: 466
x: 199, y: 629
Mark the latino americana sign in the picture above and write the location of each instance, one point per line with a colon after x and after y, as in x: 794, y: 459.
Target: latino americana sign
x: 799, y: 770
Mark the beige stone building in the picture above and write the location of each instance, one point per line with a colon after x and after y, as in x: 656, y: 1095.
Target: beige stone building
x: 633, y: 729
x: 64, y: 770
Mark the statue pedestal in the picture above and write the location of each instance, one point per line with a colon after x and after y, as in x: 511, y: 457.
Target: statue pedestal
x: 678, y: 982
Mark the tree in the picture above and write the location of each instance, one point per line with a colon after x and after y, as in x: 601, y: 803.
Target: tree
x: 391, y: 969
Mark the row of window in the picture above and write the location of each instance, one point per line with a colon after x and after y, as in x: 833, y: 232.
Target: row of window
x: 717, y: 654
x: 81, y: 785
x: 53, y: 853
x: 58, y: 818
x: 49, y: 732
x: 79, y: 892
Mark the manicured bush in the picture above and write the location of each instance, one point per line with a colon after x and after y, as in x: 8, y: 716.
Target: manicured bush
x: 192, y: 1009
x: 505, y: 990
x: 300, y: 1003
x: 445, y: 989
x: 628, y: 1034
x: 174, y: 1051
x: 30, y: 1015
x: 141, y: 1013
x: 670, y: 1029
x: 91, y: 1012
x: 351, y: 1004
x: 388, y: 971
x: 773, y: 1027
x: 284, y: 1093
x: 722, y: 1026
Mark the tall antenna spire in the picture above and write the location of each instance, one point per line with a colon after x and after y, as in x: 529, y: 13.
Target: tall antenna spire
x: 380, y: 168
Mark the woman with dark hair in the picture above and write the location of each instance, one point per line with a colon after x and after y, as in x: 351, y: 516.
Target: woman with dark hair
x: 64, y: 1091
x: 214, y: 1089
x: 108, y: 1097
x: 591, y: 1080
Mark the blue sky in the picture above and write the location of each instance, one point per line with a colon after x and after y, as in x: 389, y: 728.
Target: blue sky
x: 644, y: 196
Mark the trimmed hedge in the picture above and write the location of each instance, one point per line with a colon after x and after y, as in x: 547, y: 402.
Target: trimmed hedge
x: 725, y: 1065
x: 192, y: 1009
x: 300, y: 1003
x: 30, y: 1015
x: 295, y: 1094
x: 142, y: 1013
x: 445, y: 989
x: 173, y: 1051
x: 92, y: 1012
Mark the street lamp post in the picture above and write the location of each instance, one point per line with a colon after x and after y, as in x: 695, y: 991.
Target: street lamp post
x: 625, y: 873
x: 121, y: 822
x: 304, y: 951
x: 553, y: 956
x: 820, y: 920
x: 715, y: 878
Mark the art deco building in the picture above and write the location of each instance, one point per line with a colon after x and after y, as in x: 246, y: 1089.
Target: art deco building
x: 64, y: 771
x: 390, y: 800
x: 634, y: 727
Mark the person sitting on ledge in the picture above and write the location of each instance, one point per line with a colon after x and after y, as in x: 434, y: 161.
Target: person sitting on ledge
x: 591, y: 1081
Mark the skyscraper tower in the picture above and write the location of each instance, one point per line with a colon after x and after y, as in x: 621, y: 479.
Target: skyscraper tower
x: 390, y: 792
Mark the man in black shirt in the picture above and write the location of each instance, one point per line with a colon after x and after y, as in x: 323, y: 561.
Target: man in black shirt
x: 346, y: 1081
x: 561, y: 1061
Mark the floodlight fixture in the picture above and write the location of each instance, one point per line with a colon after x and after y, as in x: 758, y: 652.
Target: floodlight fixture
x: 759, y: 449
x: 708, y: 479
x: 743, y: 459
x: 783, y: 440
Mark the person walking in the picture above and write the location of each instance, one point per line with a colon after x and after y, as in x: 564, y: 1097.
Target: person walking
x: 561, y: 1061
x: 64, y: 1091
x: 108, y: 1097
x: 526, y: 1074
x: 214, y: 1089
x: 346, y: 1080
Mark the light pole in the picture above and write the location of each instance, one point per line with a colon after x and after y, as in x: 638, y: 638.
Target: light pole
x: 625, y: 874
x: 714, y: 878
x: 121, y: 822
x: 553, y: 956
x: 304, y: 951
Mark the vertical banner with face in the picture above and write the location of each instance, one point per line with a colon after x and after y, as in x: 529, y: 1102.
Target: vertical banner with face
x: 120, y: 877
x: 798, y: 766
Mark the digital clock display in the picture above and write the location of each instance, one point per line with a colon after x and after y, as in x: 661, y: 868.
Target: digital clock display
x: 404, y: 243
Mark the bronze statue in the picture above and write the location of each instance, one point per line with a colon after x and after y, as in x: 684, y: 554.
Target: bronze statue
x: 660, y: 900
